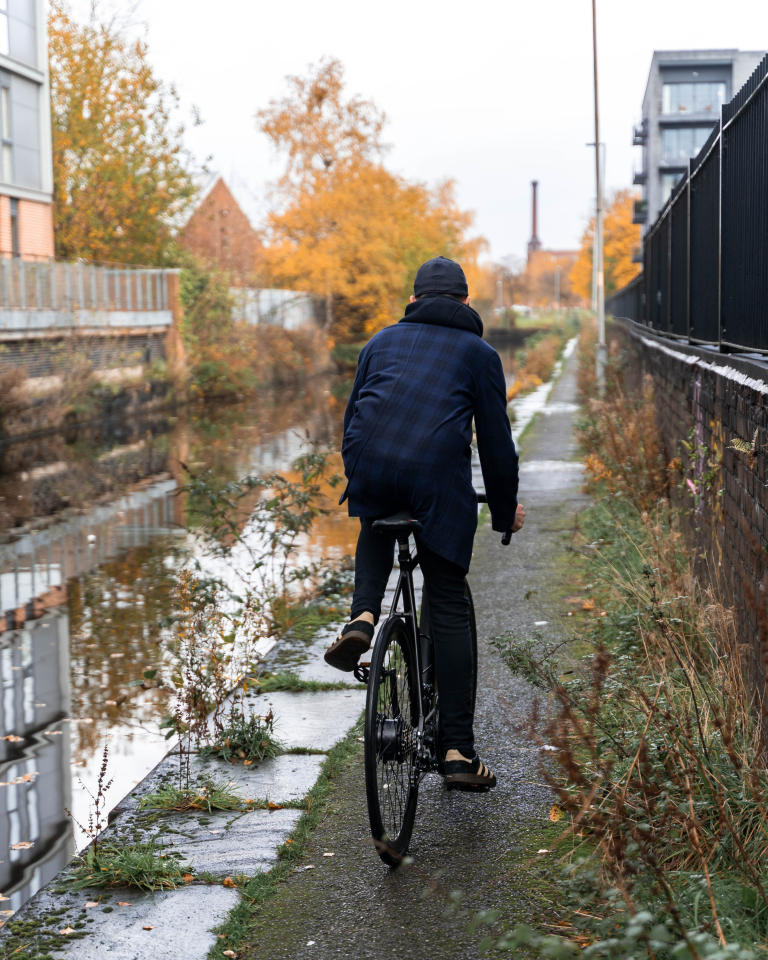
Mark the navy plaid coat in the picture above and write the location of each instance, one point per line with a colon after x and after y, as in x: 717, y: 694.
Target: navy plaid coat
x: 408, y: 427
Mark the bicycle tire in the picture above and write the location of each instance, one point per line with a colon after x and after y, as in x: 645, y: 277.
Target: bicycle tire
x: 390, y: 748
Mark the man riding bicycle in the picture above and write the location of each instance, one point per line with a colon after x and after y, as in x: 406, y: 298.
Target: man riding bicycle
x: 407, y: 433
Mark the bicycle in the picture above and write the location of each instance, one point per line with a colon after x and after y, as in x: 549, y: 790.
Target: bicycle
x: 402, y: 718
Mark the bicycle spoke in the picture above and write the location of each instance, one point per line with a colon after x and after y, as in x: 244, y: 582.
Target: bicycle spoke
x: 394, y: 705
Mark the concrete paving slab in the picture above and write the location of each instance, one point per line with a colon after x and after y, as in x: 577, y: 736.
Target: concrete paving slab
x: 287, y: 777
x: 311, y: 720
x: 181, y: 921
x: 229, y: 845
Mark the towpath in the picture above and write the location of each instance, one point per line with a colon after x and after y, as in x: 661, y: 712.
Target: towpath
x: 470, y: 853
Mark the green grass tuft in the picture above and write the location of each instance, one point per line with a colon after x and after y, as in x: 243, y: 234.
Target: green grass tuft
x: 141, y: 865
x: 209, y: 796
x: 250, y: 739
x: 291, y: 683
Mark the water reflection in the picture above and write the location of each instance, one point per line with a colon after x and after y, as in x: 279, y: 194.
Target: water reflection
x: 85, y: 604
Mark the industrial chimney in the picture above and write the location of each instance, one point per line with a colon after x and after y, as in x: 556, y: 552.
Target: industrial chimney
x: 534, y: 243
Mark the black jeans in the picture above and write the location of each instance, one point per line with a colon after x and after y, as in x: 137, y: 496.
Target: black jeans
x: 449, y: 618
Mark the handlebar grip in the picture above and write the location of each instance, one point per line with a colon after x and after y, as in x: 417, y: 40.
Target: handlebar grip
x: 506, y: 538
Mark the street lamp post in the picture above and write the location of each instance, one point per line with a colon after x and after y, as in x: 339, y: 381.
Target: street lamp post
x: 598, y: 242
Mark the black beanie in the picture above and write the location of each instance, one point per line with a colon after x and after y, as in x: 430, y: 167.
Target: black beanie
x: 440, y: 275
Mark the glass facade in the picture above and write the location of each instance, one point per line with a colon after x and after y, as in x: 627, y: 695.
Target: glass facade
x: 668, y: 183
x: 683, y: 98
x: 681, y: 144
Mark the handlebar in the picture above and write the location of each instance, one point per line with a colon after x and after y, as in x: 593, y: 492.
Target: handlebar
x: 505, y: 540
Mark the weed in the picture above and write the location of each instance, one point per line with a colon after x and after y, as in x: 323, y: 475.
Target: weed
x: 246, y: 739
x: 208, y: 796
x: 141, y: 865
x: 291, y: 683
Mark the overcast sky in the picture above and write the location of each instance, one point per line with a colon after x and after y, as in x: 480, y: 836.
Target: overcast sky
x: 490, y: 93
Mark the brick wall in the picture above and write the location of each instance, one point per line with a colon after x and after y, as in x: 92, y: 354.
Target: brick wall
x: 220, y: 233
x: 708, y: 399
x: 35, y: 229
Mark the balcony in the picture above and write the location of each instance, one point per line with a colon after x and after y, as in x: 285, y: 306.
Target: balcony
x: 637, y: 253
x: 640, y: 177
x: 640, y: 134
x: 640, y: 213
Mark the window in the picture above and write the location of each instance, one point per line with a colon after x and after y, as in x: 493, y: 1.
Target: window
x: 6, y: 157
x: 668, y: 183
x: 15, y: 249
x: 5, y: 41
x: 681, y: 144
x: 682, y: 98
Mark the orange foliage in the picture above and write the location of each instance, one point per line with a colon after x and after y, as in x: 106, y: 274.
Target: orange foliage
x: 119, y: 167
x: 346, y: 228
x: 621, y: 236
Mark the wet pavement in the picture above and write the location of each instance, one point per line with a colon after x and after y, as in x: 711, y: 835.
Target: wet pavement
x: 470, y: 852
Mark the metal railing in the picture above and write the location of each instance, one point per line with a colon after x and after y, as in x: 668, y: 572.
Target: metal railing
x: 704, y: 273
x: 64, y: 286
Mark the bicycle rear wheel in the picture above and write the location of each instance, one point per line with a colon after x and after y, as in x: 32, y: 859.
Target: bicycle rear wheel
x: 391, y: 717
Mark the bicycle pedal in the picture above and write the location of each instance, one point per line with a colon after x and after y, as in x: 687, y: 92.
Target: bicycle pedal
x: 362, y: 672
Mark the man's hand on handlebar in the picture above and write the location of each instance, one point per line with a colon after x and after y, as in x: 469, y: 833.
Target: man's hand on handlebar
x: 519, y: 521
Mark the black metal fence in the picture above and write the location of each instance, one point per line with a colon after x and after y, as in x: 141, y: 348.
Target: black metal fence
x: 705, y: 259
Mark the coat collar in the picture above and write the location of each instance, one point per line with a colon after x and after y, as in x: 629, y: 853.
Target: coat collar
x: 444, y: 312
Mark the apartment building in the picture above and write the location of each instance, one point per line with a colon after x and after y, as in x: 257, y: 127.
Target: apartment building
x: 683, y: 97
x: 26, y: 168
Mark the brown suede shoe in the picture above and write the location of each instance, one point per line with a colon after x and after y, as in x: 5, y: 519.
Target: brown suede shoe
x: 350, y: 645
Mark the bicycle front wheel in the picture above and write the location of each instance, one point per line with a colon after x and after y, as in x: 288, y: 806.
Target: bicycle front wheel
x: 391, y: 719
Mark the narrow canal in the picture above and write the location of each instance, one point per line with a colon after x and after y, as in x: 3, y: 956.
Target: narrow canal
x: 85, y: 600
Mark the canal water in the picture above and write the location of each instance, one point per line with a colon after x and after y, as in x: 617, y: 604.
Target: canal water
x: 86, y: 599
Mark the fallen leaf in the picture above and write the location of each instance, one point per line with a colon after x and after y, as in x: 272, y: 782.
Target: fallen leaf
x: 12, y: 739
x: 575, y: 600
x: 588, y: 605
x: 111, y: 703
x: 309, y: 866
x: 542, y: 851
x: 247, y: 763
x: 556, y: 813
x: 230, y: 953
x: 187, y: 877
x: 229, y: 882
x: 328, y: 854
x: 67, y: 930
x: 7, y: 913
x: 22, y: 845
x: 148, y: 927
x: 92, y: 903
x: 53, y: 733
x: 603, y: 613
x: 222, y: 936
x: 115, y: 656
x: 122, y: 903
x: 4, y: 898
x: 288, y: 842
x: 274, y: 806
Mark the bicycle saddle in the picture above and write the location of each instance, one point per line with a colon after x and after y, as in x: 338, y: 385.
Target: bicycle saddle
x: 400, y: 526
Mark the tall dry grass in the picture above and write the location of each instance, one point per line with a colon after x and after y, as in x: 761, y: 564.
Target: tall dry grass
x: 660, y: 740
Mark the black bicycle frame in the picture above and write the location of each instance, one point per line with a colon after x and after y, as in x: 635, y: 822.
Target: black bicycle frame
x: 405, y: 589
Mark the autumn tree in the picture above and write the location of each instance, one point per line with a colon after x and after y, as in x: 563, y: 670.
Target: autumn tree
x: 120, y: 170
x: 344, y: 227
x: 621, y: 236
